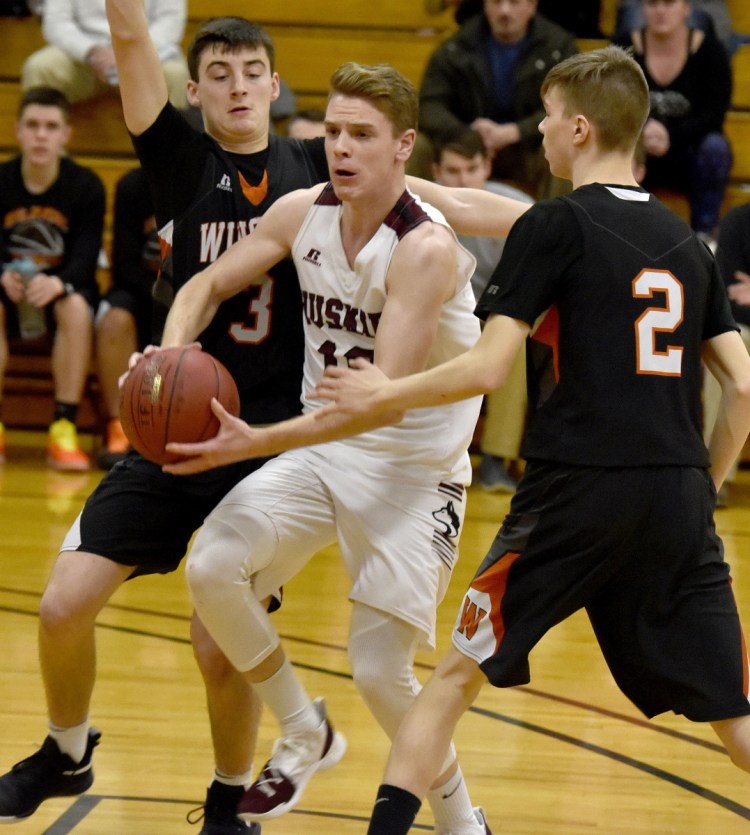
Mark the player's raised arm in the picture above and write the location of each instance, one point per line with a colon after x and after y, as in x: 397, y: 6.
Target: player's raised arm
x: 471, y: 211
x: 142, y: 85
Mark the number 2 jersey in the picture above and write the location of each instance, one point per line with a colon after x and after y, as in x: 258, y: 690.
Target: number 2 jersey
x: 206, y: 199
x: 341, y: 310
x: 628, y: 294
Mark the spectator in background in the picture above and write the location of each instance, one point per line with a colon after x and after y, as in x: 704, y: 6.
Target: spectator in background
x: 709, y: 15
x: 52, y: 213
x: 461, y: 161
x: 581, y: 17
x: 124, y: 321
x: 733, y: 256
x: 487, y: 76
x: 307, y: 124
x: 78, y: 59
x: 690, y: 84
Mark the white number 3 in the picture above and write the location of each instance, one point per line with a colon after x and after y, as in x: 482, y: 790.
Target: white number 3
x: 655, y: 320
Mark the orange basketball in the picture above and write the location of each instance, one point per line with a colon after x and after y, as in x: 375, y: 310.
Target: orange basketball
x: 167, y: 398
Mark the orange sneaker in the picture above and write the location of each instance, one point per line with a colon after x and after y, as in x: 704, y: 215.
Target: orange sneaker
x: 116, y: 447
x: 63, y: 450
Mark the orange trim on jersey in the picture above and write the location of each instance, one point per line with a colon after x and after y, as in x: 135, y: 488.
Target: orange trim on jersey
x: 493, y: 583
x: 548, y: 333
x: 255, y: 194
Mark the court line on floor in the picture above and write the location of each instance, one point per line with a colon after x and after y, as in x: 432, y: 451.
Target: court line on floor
x: 526, y: 689
x: 84, y: 805
x: 694, y: 788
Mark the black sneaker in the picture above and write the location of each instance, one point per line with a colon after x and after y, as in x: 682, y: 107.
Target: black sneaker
x: 48, y: 773
x: 219, y: 813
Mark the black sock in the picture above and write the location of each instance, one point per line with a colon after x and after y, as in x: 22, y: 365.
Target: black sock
x: 394, y: 811
x: 69, y: 411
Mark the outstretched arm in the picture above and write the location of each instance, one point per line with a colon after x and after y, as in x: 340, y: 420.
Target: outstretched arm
x: 364, y: 389
x: 243, y: 264
x: 471, y: 211
x: 142, y: 85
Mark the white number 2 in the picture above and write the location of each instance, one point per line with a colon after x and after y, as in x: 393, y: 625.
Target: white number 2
x: 655, y: 320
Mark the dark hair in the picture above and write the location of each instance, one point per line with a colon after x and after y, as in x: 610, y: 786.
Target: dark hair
x: 228, y: 34
x: 463, y: 141
x: 47, y: 96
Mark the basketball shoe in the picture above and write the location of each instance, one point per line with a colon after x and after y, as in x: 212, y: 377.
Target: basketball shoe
x: 219, y: 812
x: 116, y: 445
x: 63, y: 448
x: 294, y: 760
x: 48, y: 773
x: 482, y: 825
x: 493, y: 477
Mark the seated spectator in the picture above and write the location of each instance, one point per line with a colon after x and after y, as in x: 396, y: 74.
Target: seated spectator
x: 124, y: 321
x: 581, y: 18
x: 487, y: 76
x: 733, y: 257
x: 78, y: 59
x: 690, y: 80
x: 52, y: 212
x: 709, y: 15
x: 461, y: 161
x: 307, y: 124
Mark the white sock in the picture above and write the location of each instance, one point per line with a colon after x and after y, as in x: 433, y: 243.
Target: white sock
x: 245, y: 780
x: 451, y: 807
x: 288, y: 701
x: 71, y: 741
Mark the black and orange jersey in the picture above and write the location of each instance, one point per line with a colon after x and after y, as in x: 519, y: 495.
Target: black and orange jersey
x: 205, y: 199
x: 59, y: 229
x: 621, y: 296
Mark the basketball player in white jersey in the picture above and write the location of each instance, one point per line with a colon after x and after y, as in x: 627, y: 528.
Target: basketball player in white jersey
x: 382, y: 277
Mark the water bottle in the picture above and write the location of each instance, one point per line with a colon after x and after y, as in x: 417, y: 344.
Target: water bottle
x: 31, y: 320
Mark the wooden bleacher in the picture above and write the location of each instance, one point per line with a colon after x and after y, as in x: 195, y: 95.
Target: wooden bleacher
x: 312, y: 39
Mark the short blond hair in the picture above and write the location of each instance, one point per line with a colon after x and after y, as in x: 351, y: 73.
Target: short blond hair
x: 384, y: 87
x: 607, y: 87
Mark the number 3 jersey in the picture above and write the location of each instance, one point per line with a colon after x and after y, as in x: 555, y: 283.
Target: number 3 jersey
x: 629, y: 295
x: 341, y: 310
x: 206, y: 199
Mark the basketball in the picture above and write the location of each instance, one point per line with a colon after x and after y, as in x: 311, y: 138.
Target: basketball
x: 166, y: 398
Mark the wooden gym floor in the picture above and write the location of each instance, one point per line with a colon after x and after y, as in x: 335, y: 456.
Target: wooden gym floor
x: 566, y: 755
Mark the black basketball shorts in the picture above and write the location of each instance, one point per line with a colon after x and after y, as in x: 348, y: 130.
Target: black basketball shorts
x: 637, y: 548
x: 141, y: 516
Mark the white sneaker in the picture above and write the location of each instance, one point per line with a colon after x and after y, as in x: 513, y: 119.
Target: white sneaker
x: 482, y: 827
x: 294, y: 760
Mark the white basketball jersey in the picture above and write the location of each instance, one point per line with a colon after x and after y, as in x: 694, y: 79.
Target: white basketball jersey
x: 341, y: 311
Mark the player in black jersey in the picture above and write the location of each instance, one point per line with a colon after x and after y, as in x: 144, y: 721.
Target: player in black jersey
x: 615, y: 511
x: 209, y: 190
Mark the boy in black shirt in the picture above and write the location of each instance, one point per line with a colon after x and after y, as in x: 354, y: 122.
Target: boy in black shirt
x: 614, y: 512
